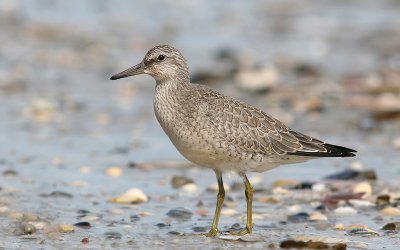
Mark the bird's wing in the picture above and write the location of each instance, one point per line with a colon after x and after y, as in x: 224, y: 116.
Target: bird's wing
x: 254, y: 131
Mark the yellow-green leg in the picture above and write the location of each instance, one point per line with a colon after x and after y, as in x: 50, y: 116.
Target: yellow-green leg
x: 220, y: 200
x: 249, y: 198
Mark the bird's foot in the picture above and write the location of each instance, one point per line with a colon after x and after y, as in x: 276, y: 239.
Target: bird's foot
x: 242, y: 232
x: 212, y: 233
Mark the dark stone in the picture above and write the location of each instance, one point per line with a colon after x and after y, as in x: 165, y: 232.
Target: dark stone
x: 180, y: 213
x: 199, y: 229
x: 163, y: 225
x: 83, y: 224
x: 134, y: 218
x: 179, y: 181
x: 58, y: 194
x: 300, y: 217
x: 113, y: 235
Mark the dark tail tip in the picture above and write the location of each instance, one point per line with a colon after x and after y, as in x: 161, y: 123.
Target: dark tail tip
x: 332, y: 151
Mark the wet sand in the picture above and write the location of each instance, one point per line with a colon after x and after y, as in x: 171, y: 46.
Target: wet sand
x: 73, y: 141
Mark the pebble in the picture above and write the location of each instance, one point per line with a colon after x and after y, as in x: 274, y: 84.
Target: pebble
x: 214, y: 187
x: 317, y: 216
x: 85, y: 240
x: 363, y: 187
x: 396, y: 142
x: 85, y: 170
x: 65, y: 228
x: 10, y: 172
x: 285, y: 183
x: 382, y: 200
x: 179, y: 181
x: 28, y: 228
x: 163, y: 225
x: 15, y: 215
x: 199, y: 229
x: 302, y: 244
x: 351, y: 174
x: 267, y: 199
x: 83, y: 224
x: 391, y: 226
x: 361, y: 231
x: 114, y: 171
x: 114, y: 235
x: 228, y: 211
x: 361, y: 203
x: 180, y: 213
x: 4, y: 209
x: 191, y: 188
x: 303, y: 185
x: 58, y: 194
x: 257, y: 79
x: 300, y: 217
x: 390, y: 211
x: 318, y: 187
x: 132, y: 196
x: 345, y: 210
x: 294, y: 209
x: 134, y: 218
x: 42, y: 110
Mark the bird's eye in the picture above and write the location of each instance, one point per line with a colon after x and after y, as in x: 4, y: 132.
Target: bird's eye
x: 161, y: 57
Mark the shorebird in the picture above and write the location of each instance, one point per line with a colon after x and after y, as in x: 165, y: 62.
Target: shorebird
x: 219, y: 132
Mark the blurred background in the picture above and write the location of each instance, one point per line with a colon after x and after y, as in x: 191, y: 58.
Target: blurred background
x: 327, y: 68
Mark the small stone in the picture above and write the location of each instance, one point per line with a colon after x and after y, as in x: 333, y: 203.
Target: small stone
x: 134, y: 218
x: 339, y: 246
x: 15, y: 215
x: 267, y: 199
x: 361, y: 203
x: 300, y: 217
x: 179, y: 181
x: 214, y: 187
x: 85, y: 170
x: 294, y: 209
x: 340, y: 227
x: 4, y: 209
x: 113, y: 235
x: 114, y: 171
x: 363, y: 187
x: 202, y: 212
x: 390, y: 211
x: 318, y: 187
x: 175, y: 233
x: 390, y: 227
x: 65, y: 228
x: 10, y: 172
x: 85, y: 240
x: 317, y: 216
x: 396, y: 142
x: 257, y: 79
x: 58, y: 194
x: 351, y: 174
x: 83, y: 224
x: 228, y: 211
x: 303, y: 185
x: 361, y: 231
x: 345, y: 210
x: 382, y: 200
x: 163, y: 225
x: 132, y: 196
x: 28, y: 228
x: 190, y: 187
x: 199, y: 229
x: 357, y: 165
x: 180, y: 213
x: 285, y: 183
